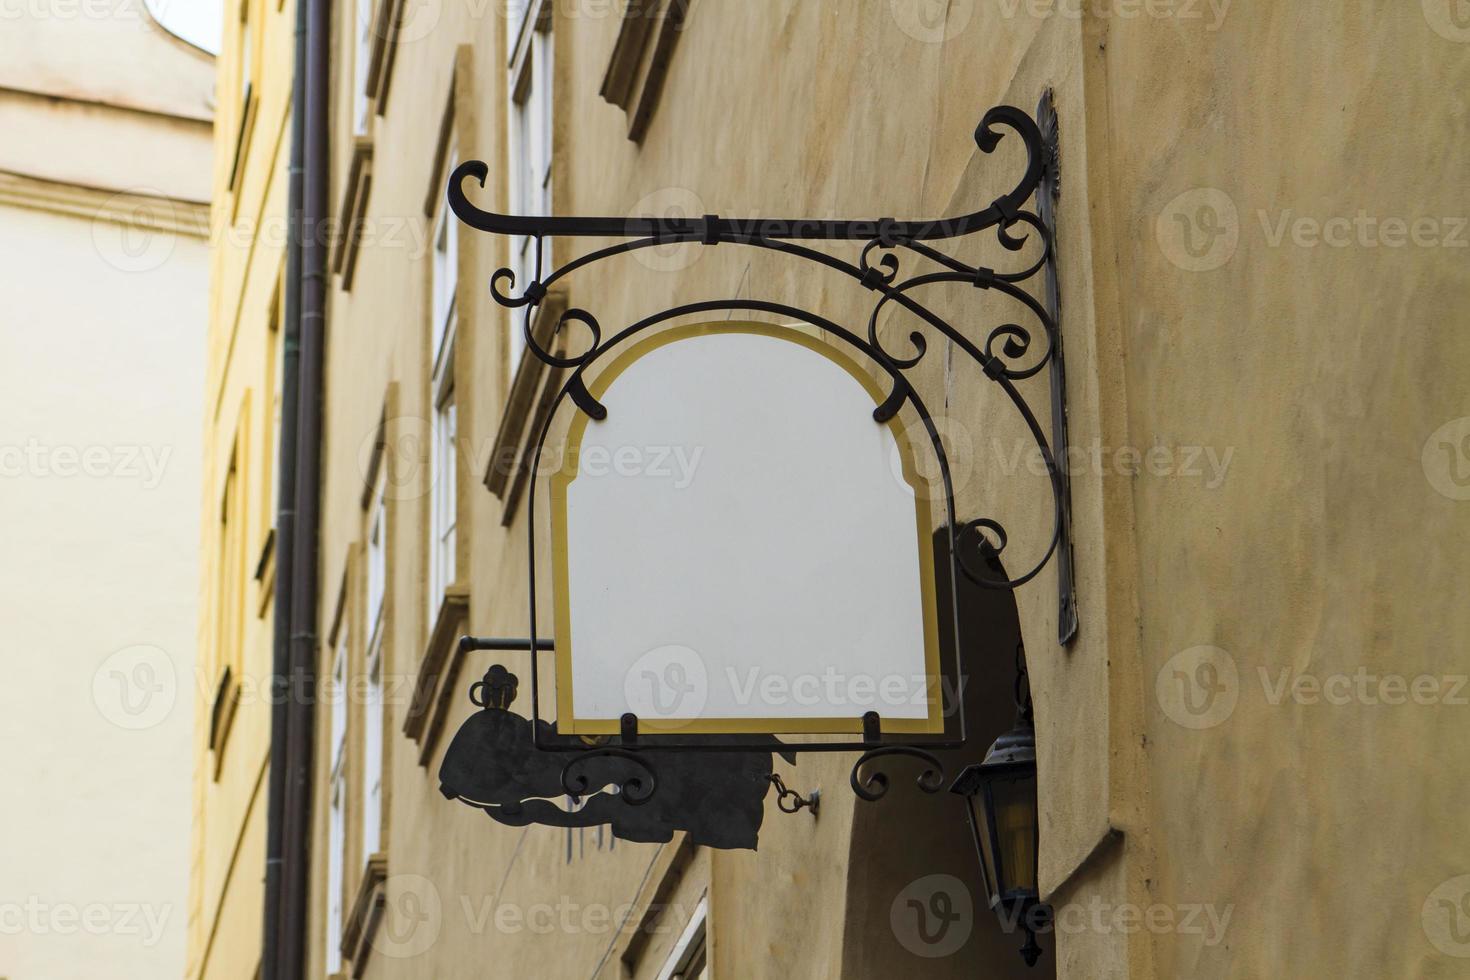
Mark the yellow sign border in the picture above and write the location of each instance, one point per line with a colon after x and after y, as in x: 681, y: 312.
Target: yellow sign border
x: 568, y: 723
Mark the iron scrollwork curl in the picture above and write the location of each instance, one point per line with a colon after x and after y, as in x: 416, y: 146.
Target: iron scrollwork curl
x: 636, y: 788
x: 874, y: 786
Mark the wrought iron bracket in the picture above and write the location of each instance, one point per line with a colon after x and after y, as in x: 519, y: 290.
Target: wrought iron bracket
x: 1026, y: 342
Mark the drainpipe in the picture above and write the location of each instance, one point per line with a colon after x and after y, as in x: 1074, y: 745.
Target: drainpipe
x: 285, y: 527
x: 288, y: 817
x: 301, y: 730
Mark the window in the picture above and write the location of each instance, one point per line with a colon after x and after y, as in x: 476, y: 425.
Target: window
x: 337, y: 797
x: 689, y: 959
x: 640, y: 59
x: 372, y: 714
x: 443, y: 516
x: 362, y: 59
x: 230, y: 598
x: 247, y: 55
x: 244, y: 90
x: 529, y: 140
x: 227, y: 649
x: 273, y: 370
x: 445, y: 273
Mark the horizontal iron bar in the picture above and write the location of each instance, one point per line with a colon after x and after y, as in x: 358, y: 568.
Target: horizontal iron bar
x: 503, y: 643
x: 771, y: 743
x: 711, y: 229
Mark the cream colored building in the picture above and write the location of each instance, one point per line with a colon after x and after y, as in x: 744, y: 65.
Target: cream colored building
x: 1247, y: 755
x: 104, y: 191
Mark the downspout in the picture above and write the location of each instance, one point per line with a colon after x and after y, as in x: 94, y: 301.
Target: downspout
x: 301, y: 711
x: 288, y: 821
x: 285, y: 538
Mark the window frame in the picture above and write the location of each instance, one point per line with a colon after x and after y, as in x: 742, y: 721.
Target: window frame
x: 247, y: 54
x: 691, y: 951
x: 338, y: 788
x: 529, y: 141
x: 275, y: 368
x: 364, y: 13
x: 226, y: 656
x: 370, y: 823
x: 444, y: 491
x: 443, y: 526
x: 229, y: 594
x: 247, y: 51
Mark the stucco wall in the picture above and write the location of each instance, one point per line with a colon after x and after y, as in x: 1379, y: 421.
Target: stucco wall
x: 1286, y: 208
x: 882, y: 132
x: 1250, y: 419
x: 242, y: 377
x: 103, y: 171
x: 101, y: 361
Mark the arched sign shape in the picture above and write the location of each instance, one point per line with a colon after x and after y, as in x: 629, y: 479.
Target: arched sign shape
x: 738, y: 546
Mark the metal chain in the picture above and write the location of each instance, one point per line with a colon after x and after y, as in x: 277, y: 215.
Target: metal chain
x: 790, y: 801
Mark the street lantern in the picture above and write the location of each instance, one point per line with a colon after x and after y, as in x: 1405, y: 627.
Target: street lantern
x: 1000, y: 800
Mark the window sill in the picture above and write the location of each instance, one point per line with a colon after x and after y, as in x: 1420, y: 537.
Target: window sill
x: 367, y: 913
x: 265, y: 574
x: 242, y: 138
x: 505, y: 476
x: 640, y: 60
x: 354, y: 208
x: 434, y: 688
x: 222, y: 716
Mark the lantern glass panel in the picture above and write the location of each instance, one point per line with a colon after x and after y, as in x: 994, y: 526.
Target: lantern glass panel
x: 980, y: 826
x: 1013, y: 817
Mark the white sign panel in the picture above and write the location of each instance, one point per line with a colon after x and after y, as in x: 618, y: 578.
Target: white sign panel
x: 739, y: 546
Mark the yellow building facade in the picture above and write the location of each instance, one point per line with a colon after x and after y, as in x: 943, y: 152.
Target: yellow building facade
x: 248, y: 232
x: 1257, y: 242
